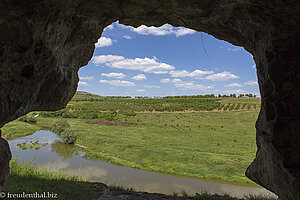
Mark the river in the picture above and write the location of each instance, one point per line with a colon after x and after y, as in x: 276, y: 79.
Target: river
x: 57, y: 156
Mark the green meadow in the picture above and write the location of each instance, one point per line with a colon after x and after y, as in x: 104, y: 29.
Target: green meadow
x: 215, y: 140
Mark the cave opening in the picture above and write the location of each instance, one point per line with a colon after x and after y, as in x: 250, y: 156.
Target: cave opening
x: 132, y: 79
x: 56, y: 42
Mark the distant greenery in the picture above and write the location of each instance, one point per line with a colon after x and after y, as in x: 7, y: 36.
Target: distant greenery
x: 25, y: 177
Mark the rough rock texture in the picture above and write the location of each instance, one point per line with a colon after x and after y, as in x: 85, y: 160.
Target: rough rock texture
x: 5, y: 156
x: 44, y: 43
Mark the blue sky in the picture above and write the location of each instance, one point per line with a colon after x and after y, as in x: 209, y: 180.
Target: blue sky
x: 164, y: 61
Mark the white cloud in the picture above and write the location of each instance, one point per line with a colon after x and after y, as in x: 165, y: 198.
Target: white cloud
x: 239, y: 91
x: 234, y: 49
x: 148, y: 65
x: 104, y: 42
x: 118, y: 83
x: 165, y: 29
x: 251, y: 83
x: 141, y: 90
x: 151, y: 86
x: 139, y: 77
x: 189, y: 85
x: 80, y: 83
x: 165, y: 80
x: 114, y: 75
x: 195, y: 74
x: 183, y: 31
x: 233, y: 85
x: 87, y: 78
x: 199, y: 73
x: 223, y: 76
x: 110, y: 27
x: 179, y: 73
x: 106, y: 59
x: 254, y: 66
x: 127, y: 37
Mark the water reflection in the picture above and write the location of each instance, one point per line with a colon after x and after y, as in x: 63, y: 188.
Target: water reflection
x: 64, y: 151
x: 58, y: 156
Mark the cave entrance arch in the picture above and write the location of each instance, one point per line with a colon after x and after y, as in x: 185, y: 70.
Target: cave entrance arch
x: 118, y: 77
x: 45, y: 43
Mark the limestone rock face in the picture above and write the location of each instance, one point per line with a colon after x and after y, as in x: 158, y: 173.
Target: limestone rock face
x: 5, y: 156
x: 44, y: 43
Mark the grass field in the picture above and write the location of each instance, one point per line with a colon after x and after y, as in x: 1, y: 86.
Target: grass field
x: 25, y: 177
x: 218, y: 144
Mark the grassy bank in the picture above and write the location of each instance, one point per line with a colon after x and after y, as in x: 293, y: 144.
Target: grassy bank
x: 213, y: 145
x: 16, y: 129
x: 24, y: 177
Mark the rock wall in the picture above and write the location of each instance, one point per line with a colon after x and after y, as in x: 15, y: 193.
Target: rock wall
x: 44, y: 43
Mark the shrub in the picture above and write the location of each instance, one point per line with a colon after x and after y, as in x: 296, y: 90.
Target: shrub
x: 68, y: 136
x: 27, y: 119
x: 59, y: 126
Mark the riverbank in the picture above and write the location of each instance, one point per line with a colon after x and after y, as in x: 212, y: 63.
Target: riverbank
x: 27, y: 178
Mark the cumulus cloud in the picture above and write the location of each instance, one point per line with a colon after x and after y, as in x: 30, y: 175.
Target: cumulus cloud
x: 195, y: 74
x: 141, y: 90
x: 179, y: 73
x: 148, y: 65
x: 199, y: 73
x: 251, y: 83
x: 127, y: 37
x: 239, y: 91
x: 118, y: 83
x: 233, y: 85
x: 183, y: 31
x: 106, y: 59
x: 165, y: 80
x: 139, y: 77
x: 87, y: 78
x: 114, y: 75
x: 104, y: 42
x: 223, y: 76
x: 165, y: 29
x: 189, y: 85
x: 254, y: 66
x: 80, y: 83
x: 151, y: 86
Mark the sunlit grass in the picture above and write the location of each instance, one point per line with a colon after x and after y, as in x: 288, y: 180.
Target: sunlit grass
x: 25, y: 177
